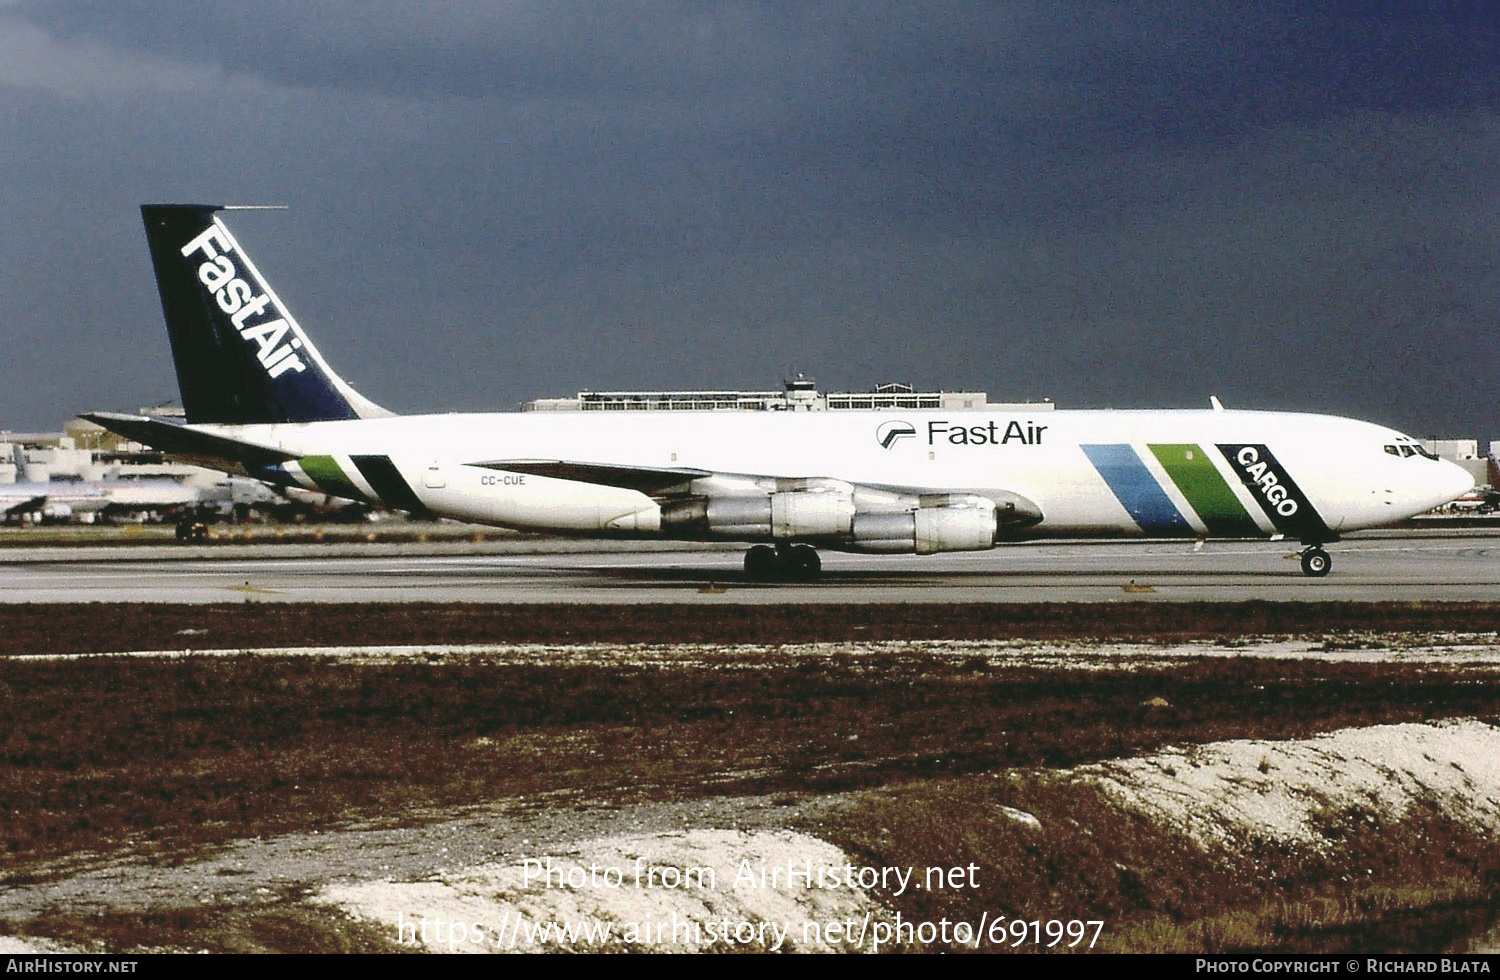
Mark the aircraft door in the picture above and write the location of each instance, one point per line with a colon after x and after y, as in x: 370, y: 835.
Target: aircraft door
x: 433, y: 478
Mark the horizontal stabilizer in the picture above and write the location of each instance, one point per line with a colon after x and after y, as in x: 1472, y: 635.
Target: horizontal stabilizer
x: 180, y: 440
x: 25, y: 506
x: 646, y: 479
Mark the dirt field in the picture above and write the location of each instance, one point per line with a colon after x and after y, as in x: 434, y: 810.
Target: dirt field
x: 249, y: 802
x: 27, y: 630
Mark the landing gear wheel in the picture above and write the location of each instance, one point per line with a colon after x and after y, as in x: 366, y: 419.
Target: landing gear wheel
x: 1316, y: 563
x: 762, y: 562
x: 192, y: 532
x: 802, y: 562
x: 798, y: 562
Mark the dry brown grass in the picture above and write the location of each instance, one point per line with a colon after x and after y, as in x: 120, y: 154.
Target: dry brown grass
x: 172, y: 754
x: 27, y: 629
x: 283, y: 926
x: 170, y: 757
x: 1414, y: 883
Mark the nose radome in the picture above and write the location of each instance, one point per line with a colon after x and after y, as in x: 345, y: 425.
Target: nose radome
x: 1455, y: 481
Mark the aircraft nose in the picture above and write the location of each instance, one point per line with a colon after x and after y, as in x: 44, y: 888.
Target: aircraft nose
x: 1452, y: 482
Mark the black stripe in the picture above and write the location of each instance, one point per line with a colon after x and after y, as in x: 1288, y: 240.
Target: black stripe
x: 1301, y: 521
x: 388, y: 483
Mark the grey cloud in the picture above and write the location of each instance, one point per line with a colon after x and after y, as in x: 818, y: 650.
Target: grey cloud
x: 1111, y: 203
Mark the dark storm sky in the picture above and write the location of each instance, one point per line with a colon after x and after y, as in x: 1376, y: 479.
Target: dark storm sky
x: 1132, y: 204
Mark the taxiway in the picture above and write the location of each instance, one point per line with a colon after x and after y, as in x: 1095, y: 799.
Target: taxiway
x: 1393, y: 565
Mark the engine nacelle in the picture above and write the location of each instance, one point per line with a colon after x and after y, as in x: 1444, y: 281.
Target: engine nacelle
x: 842, y: 515
x: 796, y: 510
x: 824, y: 512
x: 946, y: 522
x: 963, y: 527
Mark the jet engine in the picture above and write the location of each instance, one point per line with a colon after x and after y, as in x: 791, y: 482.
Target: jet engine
x: 941, y: 522
x: 843, y: 515
x: 788, y: 509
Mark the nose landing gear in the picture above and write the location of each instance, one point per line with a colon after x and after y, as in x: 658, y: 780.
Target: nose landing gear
x: 1315, y: 561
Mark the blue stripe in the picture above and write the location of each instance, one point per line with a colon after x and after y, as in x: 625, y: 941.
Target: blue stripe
x: 1137, y: 490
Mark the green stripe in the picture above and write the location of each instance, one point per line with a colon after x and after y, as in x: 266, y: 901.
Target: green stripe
x: 329, y: 476
x: 1199, y: 480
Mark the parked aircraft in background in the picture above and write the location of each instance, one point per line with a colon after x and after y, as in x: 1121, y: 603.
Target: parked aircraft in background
x: 1482, y: 499
x: 58, y: 499
x: 261, y: 400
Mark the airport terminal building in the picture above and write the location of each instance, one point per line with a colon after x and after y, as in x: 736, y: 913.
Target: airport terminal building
x: 799, y: 394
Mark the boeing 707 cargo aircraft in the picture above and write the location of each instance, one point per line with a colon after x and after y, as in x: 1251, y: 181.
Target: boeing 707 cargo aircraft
x: 260, y: 400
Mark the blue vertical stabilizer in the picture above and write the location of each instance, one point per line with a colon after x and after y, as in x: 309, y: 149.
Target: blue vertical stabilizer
x: 241, y: 358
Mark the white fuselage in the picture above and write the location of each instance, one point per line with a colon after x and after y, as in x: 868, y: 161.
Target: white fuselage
x: 1089, y: 473
x: 899, y: 481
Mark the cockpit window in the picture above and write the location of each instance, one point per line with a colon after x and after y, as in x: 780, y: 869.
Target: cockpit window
x: 1408, y: 449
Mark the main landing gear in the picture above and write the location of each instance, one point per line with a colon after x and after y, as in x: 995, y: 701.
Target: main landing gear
x: 798, y: 563
x: 1315, y: 561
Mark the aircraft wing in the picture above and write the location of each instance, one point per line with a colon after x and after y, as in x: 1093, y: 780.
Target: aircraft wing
x: 864, y: 517
x: 674, y: 481
x: 177, y: 439
x: 646, y: 479
x: 655, y: 479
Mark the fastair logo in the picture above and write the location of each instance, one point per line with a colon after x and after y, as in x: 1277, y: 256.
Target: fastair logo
x: 893, y: 431
x: 276, y: 351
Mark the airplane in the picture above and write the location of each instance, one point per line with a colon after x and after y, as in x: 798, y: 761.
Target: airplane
x: 48, y: 499
x: 260, y: 400
x: 58, y: 499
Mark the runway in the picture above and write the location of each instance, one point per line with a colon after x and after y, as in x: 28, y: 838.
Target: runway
x: 1454, y: 565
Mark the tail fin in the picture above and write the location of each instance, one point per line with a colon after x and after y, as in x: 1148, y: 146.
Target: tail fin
x: 23, y: 466
x: 241, y: 358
